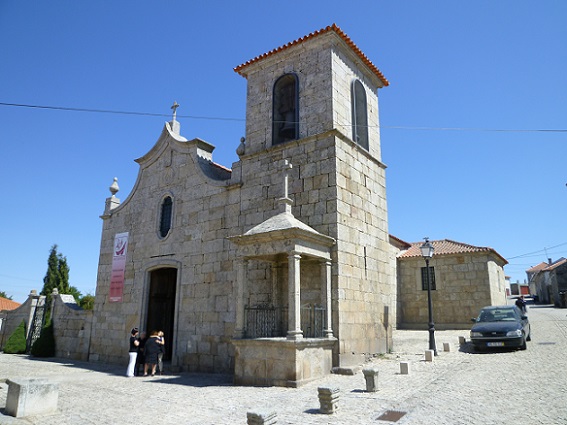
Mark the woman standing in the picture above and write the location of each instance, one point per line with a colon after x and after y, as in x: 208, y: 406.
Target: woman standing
x: 161, y: 341
x: 132, y: 352
x: 151, y: 351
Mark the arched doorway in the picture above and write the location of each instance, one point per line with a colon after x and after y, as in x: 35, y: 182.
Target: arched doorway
x: 161, y: 305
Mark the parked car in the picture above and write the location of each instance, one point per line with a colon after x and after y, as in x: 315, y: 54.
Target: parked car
x: 500, y: 327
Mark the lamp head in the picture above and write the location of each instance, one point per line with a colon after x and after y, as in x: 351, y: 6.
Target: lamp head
x: 426, y: 249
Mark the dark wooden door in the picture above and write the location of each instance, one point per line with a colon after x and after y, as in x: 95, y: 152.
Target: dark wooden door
x: 161, y: 305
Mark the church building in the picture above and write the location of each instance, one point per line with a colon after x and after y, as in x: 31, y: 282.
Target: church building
x: 277, y: 269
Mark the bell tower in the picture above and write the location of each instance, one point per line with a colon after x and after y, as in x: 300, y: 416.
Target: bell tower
x: 314, y: 102
x: 312, y: 85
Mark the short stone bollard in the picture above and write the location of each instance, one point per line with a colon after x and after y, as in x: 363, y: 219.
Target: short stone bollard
x: 28, y: 397
x: 261, y: 418
x: 328, y: 399
x: 371, y: 377
x: 404, y: 368
x: 447, y: 347
x: 429, y: 354
x: 462, y: 340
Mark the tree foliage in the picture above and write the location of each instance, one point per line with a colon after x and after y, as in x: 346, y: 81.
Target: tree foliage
x: 87, y: 302
x: 3, y: 294
x: 44, y: 346
x: 57, y: 275
x: 16, y: 343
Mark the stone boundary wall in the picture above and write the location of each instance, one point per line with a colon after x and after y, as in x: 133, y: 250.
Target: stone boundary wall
x: 71, y: 324
x: 71, y: 327
x: 11, y: 319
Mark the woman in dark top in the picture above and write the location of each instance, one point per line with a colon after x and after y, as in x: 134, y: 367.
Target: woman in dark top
x: 132, y: 352
x: 151, y: 351
x: 141, y: 359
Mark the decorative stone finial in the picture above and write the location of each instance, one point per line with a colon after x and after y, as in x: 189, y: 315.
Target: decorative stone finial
x: 114, y: 187
x: 241, y: 149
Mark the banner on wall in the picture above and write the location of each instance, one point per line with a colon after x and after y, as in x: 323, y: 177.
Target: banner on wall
x: 118, y: 267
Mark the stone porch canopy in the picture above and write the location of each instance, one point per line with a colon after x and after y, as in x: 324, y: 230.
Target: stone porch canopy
x: 284, y: 236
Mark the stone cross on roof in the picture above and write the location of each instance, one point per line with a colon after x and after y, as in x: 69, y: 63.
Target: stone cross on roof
x: 175, y: 126
x: 174, y: 107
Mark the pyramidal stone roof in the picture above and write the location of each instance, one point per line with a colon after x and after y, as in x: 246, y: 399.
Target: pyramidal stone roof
x: 447, y: 247
x: 331, y: 28
x: 282, y: 221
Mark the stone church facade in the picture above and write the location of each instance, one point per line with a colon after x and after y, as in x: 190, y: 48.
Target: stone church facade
x: 281, y: 267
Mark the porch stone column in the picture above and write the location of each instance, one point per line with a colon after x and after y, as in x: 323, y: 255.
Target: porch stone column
x: 326, y: 297
x: 241, y: 286
x: 294, y: 301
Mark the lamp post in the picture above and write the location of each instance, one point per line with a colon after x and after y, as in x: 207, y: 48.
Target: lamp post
x: 427, y: 253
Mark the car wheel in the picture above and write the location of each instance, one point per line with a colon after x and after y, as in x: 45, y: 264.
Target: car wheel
x: 523, y: 346
x: 529, y: 338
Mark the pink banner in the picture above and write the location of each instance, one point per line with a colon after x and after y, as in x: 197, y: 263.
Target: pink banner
x: 118, y: 267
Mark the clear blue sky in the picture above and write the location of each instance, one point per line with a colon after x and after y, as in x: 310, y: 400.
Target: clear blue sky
x: 471, y: 83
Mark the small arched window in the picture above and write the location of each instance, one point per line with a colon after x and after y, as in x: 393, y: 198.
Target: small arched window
x: 285, y: 114
x: 165, y: 217
x: 359, y: 114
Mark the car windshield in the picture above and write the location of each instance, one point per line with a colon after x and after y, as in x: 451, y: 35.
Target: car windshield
x: 497, y: 315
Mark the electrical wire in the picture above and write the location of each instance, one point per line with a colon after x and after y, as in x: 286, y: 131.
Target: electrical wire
x: 149, y: 114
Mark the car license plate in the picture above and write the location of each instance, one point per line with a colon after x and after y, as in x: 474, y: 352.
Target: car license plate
x: 495, y: 344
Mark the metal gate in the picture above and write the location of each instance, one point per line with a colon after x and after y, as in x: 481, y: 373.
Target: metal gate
x: 36, y: 323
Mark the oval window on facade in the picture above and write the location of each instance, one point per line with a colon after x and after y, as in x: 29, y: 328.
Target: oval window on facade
x: 165, y: 216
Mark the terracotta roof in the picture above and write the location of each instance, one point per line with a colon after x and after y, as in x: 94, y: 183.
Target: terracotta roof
x: 556, y: 264
x: 337, y: 31
x: 538, y: 268
x: 6, y: 304
x: 399, y: 242
x: 446, y: 247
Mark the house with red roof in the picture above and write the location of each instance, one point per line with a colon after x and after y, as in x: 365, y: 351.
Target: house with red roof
x: 5, y: 306
x: 549, y: 282
x: 464, y: 278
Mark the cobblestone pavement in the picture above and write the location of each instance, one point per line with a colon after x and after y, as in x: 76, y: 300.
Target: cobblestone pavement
x: 458, y: 387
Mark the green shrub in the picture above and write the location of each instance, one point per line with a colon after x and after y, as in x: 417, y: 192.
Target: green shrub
x: 16, y: 343
x: 44, y: 346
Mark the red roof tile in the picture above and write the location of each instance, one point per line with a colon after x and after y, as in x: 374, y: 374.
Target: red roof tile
x: 399, y: 242
x: 6, y: 304
x: 446, y: 247
x: 337, y: 31
x: 538, y: 268
x: 556, y: 264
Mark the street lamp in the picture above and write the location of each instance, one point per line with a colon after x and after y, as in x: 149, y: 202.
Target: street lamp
x: 427, y: 253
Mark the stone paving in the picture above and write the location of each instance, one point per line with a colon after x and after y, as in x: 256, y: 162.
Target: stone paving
x: 458, y: 387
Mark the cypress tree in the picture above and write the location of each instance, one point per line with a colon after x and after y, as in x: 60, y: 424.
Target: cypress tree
x: 44, y: 346
x: 57, y: 275
x: 51, y: 279
x: 16, y: 343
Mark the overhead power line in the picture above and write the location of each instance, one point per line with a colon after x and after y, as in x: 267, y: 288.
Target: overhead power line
x: 531, y: 254
x: 110, y: 111
x: 150, y: 114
